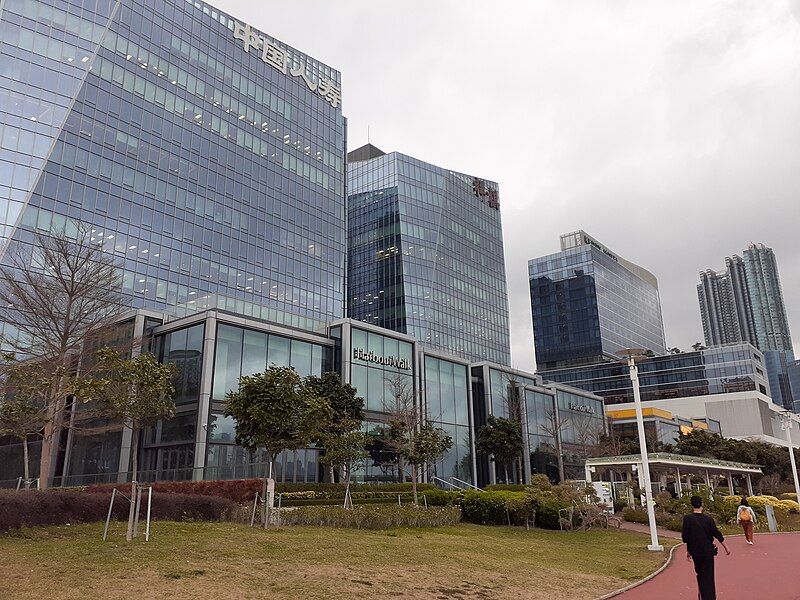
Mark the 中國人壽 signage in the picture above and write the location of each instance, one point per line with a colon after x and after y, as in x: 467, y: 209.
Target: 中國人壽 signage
x: 278, y: 58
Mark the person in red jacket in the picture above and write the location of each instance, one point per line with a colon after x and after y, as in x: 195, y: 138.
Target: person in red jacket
x: 699, y: 532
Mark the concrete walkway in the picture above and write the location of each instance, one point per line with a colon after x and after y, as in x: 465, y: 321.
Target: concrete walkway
x: 768, y: 570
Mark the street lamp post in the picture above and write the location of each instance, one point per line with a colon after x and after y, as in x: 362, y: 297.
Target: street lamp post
x: 630, y: 355
x: 787, y: 423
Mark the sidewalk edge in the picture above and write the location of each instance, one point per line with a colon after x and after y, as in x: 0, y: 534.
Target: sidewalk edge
x: 645, y: 579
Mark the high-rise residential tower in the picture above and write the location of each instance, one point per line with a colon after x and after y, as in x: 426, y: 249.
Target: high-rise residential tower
x: 426, y: 254
x: 588, y: 303
x: 745, y: 303
x: 207, y: 156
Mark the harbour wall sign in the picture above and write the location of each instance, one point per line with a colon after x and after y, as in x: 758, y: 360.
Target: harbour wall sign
x: 389, y: 361
x: 581, y: 408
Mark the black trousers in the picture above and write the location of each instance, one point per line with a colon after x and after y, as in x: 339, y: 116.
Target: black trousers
x: 704, y: 567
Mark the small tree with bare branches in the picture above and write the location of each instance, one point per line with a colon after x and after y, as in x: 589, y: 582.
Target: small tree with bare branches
x: 57, y: 293
x: 410, y: 433
x: 554, y: 427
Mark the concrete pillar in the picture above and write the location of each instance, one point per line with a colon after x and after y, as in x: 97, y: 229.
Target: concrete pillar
x: 678, y: 484
x: 731, y: 484
x: 708, y: 482
x: 749, y: 485
x: 588, y: 471
x: 204, y: 402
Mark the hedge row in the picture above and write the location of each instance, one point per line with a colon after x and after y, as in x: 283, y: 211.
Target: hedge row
x: 244, y: 490
x: 59, y: 507
x: 373, y: 517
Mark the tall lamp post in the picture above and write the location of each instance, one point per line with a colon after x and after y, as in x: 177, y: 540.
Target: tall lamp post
x: 786, y: 424
x: 629, y: 357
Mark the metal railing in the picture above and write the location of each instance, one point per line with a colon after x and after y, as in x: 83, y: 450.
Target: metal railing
x: 465, y: 484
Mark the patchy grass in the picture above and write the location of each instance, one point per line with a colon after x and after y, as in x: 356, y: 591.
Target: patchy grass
x: 224, y: 560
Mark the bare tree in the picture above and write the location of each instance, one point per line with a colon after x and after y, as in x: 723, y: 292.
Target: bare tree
x: 58, y: 293
x: 554, y: 427
x: 411, y: 434
x: 588, y: 432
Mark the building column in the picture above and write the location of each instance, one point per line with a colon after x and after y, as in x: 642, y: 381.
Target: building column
x: 204, y: 400
x: 526, y: 450
x: 678, y: 484
x: 588, y: 470
x: 708, y: 483
x: 731, y: 485
x: 749, y: 485
x: 127, y: 432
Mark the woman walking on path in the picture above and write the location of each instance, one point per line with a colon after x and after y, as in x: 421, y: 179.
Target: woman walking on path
x: 747, y: 517
x: 699, y: 532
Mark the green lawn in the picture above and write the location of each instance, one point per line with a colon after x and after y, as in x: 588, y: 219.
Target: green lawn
x: 222, y: 560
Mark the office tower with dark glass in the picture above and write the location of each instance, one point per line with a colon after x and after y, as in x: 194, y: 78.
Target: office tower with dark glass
x: 745, y: 303
x: 588, y: 303
x: 207, y: 156
x: 426, y: 254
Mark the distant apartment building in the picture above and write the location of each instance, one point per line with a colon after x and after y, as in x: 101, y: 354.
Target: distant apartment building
x: 744, y: 303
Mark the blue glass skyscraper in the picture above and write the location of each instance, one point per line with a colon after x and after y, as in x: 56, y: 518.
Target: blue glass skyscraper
x: 588, y: 303
x: 207, y: 156
x: 426, y: 254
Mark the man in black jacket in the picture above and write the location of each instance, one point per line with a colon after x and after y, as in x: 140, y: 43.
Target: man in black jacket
x: 699, y: 531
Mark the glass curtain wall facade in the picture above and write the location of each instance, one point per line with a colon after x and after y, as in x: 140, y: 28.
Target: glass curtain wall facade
x: 241, y: 351
x: 447, y: 402
x: 587, y: 303
x: 732, y: 368
x: 426, y: 255
x: 206, y: 156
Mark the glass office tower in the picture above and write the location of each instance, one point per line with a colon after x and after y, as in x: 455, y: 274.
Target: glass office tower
x: 207, y: 156
x: 588, y: 303
x: 426, y: 254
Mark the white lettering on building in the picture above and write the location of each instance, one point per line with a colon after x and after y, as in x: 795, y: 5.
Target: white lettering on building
x: 581, y: 408
x: 277, y: 57
x: 389, y: 361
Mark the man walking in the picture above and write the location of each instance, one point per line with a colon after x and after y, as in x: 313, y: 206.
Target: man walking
x: 698, y: 534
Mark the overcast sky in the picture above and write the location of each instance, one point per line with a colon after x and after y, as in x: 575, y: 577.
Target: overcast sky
x: 668, y: 130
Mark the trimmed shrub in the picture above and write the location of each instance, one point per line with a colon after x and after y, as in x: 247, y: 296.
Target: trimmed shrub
x: 443, y: 498
x: 547, y: 505
x: 506, y: 487
x: 620, y: 505
x: 373, y: 517
x: 244, y: 490
x: 487, y: 508
x: 59, y: 507
x: 635, y: 515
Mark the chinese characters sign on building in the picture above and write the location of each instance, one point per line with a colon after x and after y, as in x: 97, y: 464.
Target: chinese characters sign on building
x: 276, y: 57
x: 486, y: 192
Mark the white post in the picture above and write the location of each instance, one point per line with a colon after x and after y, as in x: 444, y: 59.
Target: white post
x: 588, y: 471
x: 708, y: 483
x: 149, y: 505
x: 645, y: 474
x: 678, y: 485
x: 749, y: 485
x: 108, y: 518
x: 786, y: 423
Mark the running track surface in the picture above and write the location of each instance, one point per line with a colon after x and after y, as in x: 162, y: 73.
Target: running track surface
x: 767, y: 570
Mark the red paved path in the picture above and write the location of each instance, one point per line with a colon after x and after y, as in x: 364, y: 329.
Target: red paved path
x: 767, y: 570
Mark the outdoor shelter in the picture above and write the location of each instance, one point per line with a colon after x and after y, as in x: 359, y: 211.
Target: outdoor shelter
x: 670, y: 470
